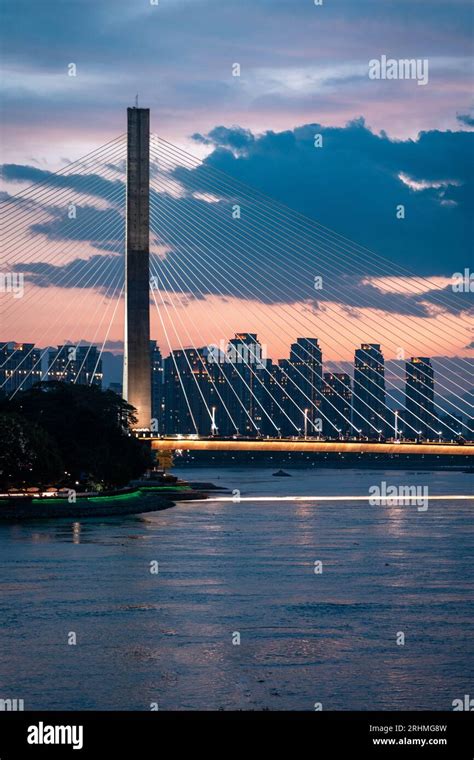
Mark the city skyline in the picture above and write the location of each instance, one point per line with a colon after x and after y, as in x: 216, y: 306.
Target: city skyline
x: 112, y: 355
x: 298, y: 395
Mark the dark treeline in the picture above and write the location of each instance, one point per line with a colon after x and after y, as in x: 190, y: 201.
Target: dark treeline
x: 68, y: 435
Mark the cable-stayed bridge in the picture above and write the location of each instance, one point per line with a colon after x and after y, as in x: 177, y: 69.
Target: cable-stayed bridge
x: 141, y: 239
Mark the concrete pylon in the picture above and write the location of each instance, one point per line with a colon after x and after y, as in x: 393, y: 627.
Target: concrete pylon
x: 137, y: 362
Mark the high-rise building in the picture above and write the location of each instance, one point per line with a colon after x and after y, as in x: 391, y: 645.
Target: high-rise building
x: 450, y: 426
x: 190, y: 393
x: 337, y: 404
x: 20, y: 366
x: 281, y: 405
x: 247, y: 396
x: 369, y: 410
x: 419, y: 396
x: 157, y: 388
x: 468, y: 428
x: 81, y: 365
x: 305, y: 378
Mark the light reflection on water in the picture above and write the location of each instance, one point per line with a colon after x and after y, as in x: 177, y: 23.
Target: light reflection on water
x: 247, y: 568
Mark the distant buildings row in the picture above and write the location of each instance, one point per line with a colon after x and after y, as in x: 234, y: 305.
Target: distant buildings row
x: 21, y: 366
x: 251, y: 395
x: 237, y: 390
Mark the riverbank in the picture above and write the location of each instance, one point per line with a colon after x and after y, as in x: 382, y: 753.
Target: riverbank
x: 130, y: 502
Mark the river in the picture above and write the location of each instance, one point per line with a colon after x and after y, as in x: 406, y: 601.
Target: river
x: 238, y: 615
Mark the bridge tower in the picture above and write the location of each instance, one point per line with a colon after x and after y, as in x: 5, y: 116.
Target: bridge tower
x: 137, y: 362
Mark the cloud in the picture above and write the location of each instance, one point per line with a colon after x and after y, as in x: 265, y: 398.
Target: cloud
x: 296, y: 59
x: 99, y: 226
x: 61, y: 207
x: 90, y: 184
x: 98, y: 272
x: 236, y: 138
x: 354, y: 185
x: 113, y: 345
x: 466, y: 119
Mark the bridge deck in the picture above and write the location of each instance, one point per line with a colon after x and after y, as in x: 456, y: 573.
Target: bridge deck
x: 211, y: 444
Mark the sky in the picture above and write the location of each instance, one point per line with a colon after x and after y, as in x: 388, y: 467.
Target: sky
x: 304, y: 68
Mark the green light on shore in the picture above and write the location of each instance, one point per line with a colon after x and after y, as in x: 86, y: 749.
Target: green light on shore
x: 143, y: 493
x: 166, y: 488
x: 117, y: 497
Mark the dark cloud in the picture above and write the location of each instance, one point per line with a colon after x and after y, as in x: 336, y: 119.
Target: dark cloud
x: 90, y: 184
x: 113, y: 345
x: 49, y: 199
x: 466, y: 119
x: 353, y: 185
x: 99, y: 226
x: 235, y: 138
x: 98, y: 272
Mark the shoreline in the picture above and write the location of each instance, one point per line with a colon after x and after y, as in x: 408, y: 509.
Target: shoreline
x: 138, y: 501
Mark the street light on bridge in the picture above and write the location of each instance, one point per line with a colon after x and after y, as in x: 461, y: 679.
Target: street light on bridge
x: 213, y: 422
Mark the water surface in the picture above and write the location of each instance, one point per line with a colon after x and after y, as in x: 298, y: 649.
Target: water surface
x: 246, y: 568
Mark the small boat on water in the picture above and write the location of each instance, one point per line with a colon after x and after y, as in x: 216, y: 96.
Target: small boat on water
x: 281, y: 474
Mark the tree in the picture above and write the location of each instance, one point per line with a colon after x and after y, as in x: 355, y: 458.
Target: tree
x: 28, y: 455
x: 91, y: 429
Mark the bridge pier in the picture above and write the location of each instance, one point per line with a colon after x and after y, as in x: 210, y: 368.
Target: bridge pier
x: 137, y: 362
